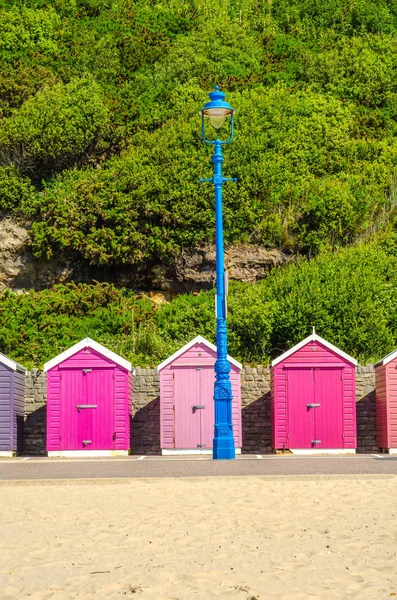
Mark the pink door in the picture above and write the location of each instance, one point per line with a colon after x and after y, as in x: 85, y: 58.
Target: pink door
x: 87, y: 409
x: 329, y: 414
x: 194, y: 407
x: 300, y: 394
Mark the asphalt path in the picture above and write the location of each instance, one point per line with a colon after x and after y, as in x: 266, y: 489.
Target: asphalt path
x: 40, y: 469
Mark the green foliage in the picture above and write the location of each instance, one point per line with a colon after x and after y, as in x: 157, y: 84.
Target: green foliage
x: 36, y: 326
x: 55, y: 126
x: 99, y: 102
x: 349, y: 297
x: 307, y: 180
x: 15, y: 191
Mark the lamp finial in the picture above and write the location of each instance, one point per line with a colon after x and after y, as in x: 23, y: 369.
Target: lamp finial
x: 314, y: 330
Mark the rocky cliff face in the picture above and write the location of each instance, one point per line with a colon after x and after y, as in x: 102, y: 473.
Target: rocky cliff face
x: 193, y: 269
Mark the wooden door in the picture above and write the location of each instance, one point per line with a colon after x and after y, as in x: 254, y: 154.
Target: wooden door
x: 88, y: 416
x: 194, y: 407
x: 300, y: 415
x: 328, y: 392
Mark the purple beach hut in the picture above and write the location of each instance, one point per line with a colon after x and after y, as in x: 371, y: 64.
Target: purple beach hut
x: 12, y: 387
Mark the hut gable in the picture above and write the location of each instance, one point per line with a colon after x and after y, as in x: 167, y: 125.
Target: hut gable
x: 80, y: 350
x: 304, y: 351
x: 194, y: 350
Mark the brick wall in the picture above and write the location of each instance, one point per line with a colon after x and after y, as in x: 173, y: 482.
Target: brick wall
x: 145, y: 426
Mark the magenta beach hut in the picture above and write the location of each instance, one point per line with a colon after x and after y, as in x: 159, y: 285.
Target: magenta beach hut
x: 313, y: 399
x: 187, y: 399
x: 89, y: 402
x: 12, y: 385
x: 386, y: 402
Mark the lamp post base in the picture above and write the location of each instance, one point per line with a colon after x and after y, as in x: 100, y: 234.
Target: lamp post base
x: 223, y: 449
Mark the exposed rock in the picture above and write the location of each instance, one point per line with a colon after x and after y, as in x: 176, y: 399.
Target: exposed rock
x: 243, y: 263
x: 19, y: 269
x: 193, y: 269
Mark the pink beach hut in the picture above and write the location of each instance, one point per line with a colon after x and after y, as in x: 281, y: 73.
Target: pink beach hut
x: 187, y: 399
x: 313, y: 399
x: 89, y: 402
x: 386, y: 402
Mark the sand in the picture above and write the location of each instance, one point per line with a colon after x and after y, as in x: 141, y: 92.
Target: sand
x: 200, y: 538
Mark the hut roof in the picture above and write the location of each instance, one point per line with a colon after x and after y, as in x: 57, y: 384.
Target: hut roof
x: 386, y: 359
x: 11, y: 364
x: 197, y: 340
x: 87, y: 343
x: 314, y: 338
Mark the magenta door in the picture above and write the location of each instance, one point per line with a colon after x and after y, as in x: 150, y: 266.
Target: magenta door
x: 315, y: 408
x: 300, y: 393
x: 194, y: 407
x: 87, y: 409
x: 328, y: 417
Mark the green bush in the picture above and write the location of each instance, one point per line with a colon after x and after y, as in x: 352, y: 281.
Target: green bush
x: 55, y: 126
x: 15, y: 191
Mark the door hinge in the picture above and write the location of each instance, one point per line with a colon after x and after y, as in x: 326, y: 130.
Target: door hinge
x: 115, y: 436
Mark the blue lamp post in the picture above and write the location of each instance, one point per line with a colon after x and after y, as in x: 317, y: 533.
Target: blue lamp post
x: 217, y: 111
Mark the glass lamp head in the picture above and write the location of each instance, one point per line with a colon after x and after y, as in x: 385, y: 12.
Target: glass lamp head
x: 217, y: 110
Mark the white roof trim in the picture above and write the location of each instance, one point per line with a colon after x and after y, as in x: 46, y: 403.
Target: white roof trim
x: 87, y: 343
x: 386, y: 359
x: 197, y: 340
x: 11, y: 364
x: 314, y: 338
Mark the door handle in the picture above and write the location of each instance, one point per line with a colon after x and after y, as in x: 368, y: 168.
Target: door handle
x: 85, y: 442
x: 312, y: 405
x: 197, y: 407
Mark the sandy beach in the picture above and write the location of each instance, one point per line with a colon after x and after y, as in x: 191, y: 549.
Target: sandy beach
x: 239, y: 538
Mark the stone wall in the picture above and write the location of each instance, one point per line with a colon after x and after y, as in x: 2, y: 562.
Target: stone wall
x: 255, y: 404
x: 145, y: 425
x: 366, y: 408
x: 35, y: 413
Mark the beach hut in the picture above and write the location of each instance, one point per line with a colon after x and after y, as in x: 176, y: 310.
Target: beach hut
x: 89, y: 402
x: 386, y: 402
x: 187, y: 399
x: 12, y: 387
x: 313, y: 399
